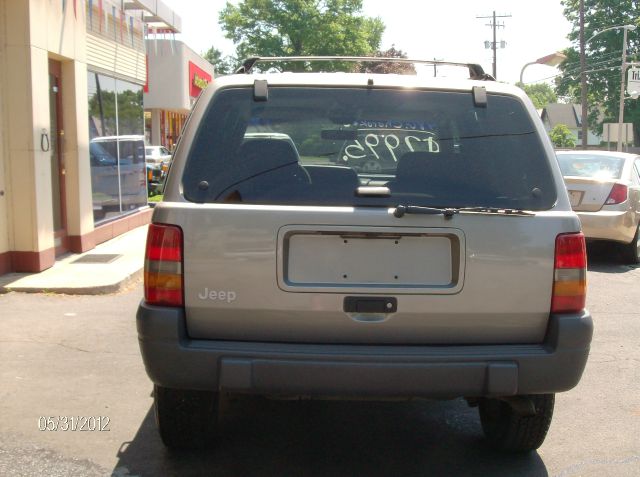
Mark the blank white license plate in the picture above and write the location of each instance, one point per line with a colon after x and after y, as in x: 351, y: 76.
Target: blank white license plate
x: 340, y: 260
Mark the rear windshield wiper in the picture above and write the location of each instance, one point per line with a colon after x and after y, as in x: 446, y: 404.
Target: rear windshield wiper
x: 495, y: 210
x: 401, y: 210
x: 449, y: 212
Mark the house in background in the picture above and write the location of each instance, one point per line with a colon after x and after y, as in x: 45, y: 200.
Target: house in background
x: 569, y: 115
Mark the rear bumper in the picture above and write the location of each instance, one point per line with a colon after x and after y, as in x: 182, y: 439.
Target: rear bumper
x: 619, y: 226
x: 174, y: 360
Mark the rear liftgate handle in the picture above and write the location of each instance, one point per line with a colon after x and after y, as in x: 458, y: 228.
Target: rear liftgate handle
x: 370, y: 309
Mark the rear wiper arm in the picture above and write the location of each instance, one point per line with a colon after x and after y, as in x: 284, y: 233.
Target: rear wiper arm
x: 449, y: 212
x: 401, y: 210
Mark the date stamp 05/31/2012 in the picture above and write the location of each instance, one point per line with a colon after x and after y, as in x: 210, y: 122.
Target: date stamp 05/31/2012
x: 74, y: 423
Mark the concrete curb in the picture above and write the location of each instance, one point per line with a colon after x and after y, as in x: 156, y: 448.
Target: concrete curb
x: 104, y: 289
x: 70, y: 276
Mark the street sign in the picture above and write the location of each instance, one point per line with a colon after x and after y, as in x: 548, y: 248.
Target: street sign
x: 610, y: 132
x: 633, y: 81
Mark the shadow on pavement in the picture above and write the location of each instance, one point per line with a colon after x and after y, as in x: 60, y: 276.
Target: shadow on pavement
x: 333, y: 438
x: 607, y: 258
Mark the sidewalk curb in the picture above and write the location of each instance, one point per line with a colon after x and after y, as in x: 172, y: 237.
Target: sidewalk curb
x: 106, y: 289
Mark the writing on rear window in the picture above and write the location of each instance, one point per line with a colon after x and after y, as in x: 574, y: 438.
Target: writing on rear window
x: 374, y: 148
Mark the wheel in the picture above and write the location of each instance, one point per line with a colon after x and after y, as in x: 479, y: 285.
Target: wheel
x: 632, y: 250
x: 508, y: 430
x: 186, y: 419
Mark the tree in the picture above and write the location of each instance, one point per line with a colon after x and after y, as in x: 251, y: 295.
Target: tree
x: 540, y: 94
x: 388, y: 67
x: 222, y: 65
x: 300, y: 28
x: 102, y: 110
x: 561, y: 136
x: 604, y: 58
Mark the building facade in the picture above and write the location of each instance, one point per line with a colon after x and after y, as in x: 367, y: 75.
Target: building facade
x: 71, y: 79
x: 177, y: 76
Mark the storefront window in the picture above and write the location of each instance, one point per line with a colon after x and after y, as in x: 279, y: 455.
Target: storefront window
x: 116, y: 128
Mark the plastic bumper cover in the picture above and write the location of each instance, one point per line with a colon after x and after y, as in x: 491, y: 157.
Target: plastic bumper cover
x: 174, y: 360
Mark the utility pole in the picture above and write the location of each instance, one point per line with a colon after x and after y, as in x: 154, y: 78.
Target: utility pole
x: 435, y: 66
x: 494, y: 44
x: 583, y: 81
x: 622, y: 81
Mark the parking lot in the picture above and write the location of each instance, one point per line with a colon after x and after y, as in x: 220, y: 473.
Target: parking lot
x: 78, y: 356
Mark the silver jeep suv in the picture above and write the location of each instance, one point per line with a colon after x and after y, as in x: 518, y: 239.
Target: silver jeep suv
x: 363, y: 235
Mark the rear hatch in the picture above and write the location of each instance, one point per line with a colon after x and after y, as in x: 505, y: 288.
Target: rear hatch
x: 288, y: 239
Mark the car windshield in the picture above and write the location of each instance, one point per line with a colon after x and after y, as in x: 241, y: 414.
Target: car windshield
x: 317, y: 146
x: 591, y: 165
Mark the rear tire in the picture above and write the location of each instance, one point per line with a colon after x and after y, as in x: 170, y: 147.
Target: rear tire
x: 186, y: 419
x: 507, y: 430
x: 632, y: 250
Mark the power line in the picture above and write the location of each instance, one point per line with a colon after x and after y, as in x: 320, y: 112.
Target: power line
x: 576, y: 69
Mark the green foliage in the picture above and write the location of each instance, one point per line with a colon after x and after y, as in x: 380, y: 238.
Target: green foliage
x: 223, y: 65
x: 540, y: 94
x: 603, y: 58
x: 130, y: 112
x: 300, y: 28
x: 561, y: 136
x: 388, y: 67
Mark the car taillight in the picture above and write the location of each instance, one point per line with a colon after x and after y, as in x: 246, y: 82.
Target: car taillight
x: 163, y: 284
x: 619, y: 193
x: 570, y: 274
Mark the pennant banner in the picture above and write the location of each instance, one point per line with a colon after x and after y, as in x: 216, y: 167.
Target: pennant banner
x: 100, y: 15
x: 115, y: 24
x: 131, y: 30
x: 122, y: 26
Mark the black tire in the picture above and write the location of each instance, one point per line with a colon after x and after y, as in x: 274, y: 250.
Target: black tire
x: 632, y: 250
x: 507, y: 430
x: 186, y: 419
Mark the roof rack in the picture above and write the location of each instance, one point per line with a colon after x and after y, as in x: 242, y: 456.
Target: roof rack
x: 475, y: 71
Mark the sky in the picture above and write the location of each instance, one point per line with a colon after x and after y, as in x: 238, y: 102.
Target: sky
x: 426, y: 29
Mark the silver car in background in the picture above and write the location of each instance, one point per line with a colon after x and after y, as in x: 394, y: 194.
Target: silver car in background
x: 604, y: 189
x: 157, y: 155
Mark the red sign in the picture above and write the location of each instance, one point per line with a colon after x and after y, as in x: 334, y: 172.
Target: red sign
x: 199, y: 79
x: 145, y: 88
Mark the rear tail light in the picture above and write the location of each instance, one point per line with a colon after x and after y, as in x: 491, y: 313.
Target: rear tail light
x: 570, y: 274
x: 619, y: 193
x: 149, y: 175
x: 163, y: 283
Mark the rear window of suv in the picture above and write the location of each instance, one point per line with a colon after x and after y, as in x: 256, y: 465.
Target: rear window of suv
x: 316, y: 146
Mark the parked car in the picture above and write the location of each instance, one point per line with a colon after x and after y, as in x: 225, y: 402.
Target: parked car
x: 157, y: 155
x: 118, y: 174
x: 275, y: 267
x: 604, y: 189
